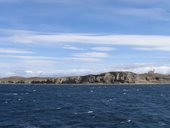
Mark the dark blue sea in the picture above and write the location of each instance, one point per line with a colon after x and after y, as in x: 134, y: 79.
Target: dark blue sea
x: 72, y: 106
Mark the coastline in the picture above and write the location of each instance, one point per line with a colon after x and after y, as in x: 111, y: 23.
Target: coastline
x: 108, y: 78
x: 92, y: 84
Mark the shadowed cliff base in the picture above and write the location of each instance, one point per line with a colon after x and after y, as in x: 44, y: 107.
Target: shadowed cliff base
x: 103, y: 78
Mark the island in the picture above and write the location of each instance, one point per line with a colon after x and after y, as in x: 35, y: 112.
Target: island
x: 103, y: 78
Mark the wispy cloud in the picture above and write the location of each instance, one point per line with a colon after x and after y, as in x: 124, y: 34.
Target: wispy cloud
x: 58, y: 73
x: 85, y: 59
x: 73, y: 72
x: 157, y: 41
x: 143, y: 68
x: 91, y: 55
x: 149, y: 13
x: 46, y: 42
x: 70, y: 47
x: 14, y: 51
x: 28, y: 57
x: 136, y: 67
x: 145, y: 1
x: 54, y: 60
x: 103, y: 48
x: 153, y: 49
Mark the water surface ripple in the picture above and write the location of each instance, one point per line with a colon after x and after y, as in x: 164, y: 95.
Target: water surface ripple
x: 48, y: 106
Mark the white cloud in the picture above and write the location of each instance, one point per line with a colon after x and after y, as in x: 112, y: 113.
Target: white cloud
x: 58, y: 73
x: 29, y: 72
x: 138, y: 68
x: 158, y: 41
x: 42, y: 60
x: 150, y: 13
x: 103, y: 48
x: 33, y: 73
x: 48, y: 73
x: 70, y: 47
x: 153, y: 48
x: 86, y: 59
x: 144, y: 42
x: 47, y: 64
x: 14, y: 51
x: 145, y: 1
x: 28, y: 57
x: 158, y: 69
x: 15, y: 31
x: 91, y: 55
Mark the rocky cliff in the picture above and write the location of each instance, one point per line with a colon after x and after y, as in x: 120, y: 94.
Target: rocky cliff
x: 104, y: 78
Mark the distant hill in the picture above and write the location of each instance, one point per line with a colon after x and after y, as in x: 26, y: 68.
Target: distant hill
x: 104, y: 78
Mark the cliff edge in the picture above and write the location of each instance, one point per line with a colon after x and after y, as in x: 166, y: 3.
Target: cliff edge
x: 103, y: 78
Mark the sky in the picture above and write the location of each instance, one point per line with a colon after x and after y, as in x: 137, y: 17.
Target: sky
x: 79, y: 37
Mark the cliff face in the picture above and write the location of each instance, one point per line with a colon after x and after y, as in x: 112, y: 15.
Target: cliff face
x: 104, y: 78
x: 153, y: 78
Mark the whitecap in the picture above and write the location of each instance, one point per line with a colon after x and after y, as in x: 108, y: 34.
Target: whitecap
x: 31, y: 126
x: 162, y: 124
x: 93, y: 116
x: 91, y: 91
x: 109, y: 100
x: 75, y: 113
x: 90, y: 112
x: 15, y: 94
x: 125, y: 90
x: 58, y: 108
x: 19, y: 99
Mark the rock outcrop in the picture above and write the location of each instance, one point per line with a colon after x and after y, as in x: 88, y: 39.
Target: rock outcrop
x: 104, y: 78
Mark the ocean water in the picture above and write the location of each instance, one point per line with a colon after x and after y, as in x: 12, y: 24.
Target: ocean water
x: 68, y: 106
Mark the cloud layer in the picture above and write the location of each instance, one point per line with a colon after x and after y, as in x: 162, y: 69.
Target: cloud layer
x: 81, y: 52
x: 69, y: 37
x: 152, y: 42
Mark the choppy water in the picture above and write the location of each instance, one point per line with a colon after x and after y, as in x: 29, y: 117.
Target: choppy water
x: 48, y: 106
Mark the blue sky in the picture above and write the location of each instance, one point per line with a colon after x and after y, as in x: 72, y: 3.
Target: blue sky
x: 78, y: 37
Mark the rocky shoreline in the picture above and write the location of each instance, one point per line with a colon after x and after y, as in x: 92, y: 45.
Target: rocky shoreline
x: 99, y: 79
